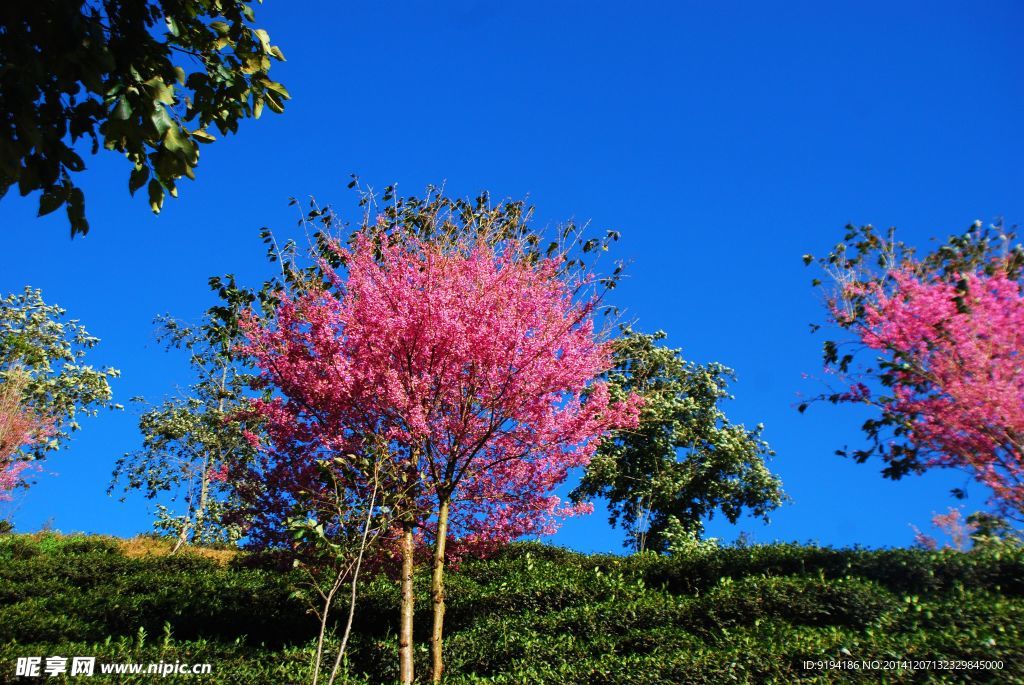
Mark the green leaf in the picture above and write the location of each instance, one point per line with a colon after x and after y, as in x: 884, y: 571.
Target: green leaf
x: 161, y: 121
x: 138, y: 178
x: 276, y: 87
x: 202, y: 136
x: 274, y: 102
x: 264, y: 39
x: 75, y: 210
x: 156, y: 196
x: 160, y: 91
x: 177, y: 142
x: 122, y: 111
x: 71, y: 160
x: 174, y: 141
x: 52, y: 199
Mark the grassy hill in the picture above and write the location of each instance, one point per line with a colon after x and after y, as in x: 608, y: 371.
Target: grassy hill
x: 535, y: 614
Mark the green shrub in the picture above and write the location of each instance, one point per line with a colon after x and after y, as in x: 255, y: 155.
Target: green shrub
x: 534, y: 614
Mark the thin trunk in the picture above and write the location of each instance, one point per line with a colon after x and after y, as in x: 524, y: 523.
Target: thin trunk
x: 204, y: 480
x: 204, y: 495
x: 182, y: 537
x: 186, y: 525
x: 405, y: 666
x: 328, y: 600
x: 437, y: 590
x: 355, y: 581
x: 204, y: 487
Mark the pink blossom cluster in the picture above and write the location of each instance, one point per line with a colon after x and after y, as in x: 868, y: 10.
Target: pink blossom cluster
x: 952, y: 524
x: 957, y: 352
x: 19, y: 428
x: 474, y: 368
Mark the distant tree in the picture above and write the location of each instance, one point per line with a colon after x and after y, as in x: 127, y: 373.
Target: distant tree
x: 991, y: 531
x: 146, y: 79
x: 189, y: 441
x: 46, y: 355
x: 685, y: 461
x: 946, y: 333
x: 951, y: 523
x: 981, y: 531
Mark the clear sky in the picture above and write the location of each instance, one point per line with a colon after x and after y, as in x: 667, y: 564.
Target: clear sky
x: 724, y: 140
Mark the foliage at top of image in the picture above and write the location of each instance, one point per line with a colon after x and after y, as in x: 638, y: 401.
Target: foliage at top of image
x: 146, y: 79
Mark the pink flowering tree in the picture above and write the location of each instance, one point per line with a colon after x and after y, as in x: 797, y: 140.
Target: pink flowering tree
x: 20, y: 428
x: 946, y: 333
x: 475, y: 367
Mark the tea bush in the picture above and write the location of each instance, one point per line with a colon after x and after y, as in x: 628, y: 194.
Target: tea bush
x: 534, y: 614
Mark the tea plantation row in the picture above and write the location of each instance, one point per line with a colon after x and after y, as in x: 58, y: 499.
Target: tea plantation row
x: 535, y: 614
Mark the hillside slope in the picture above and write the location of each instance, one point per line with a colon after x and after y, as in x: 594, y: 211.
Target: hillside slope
x: 535, y: 614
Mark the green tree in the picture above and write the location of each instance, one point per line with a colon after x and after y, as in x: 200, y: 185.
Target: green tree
x: 188, y: 441
x: 46, y: 353
x: 146, y: 78
x: 686, y: 461
x: 990, y: 531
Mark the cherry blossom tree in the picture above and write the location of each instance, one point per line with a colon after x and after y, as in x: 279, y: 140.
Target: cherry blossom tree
x: 20, y: 428
x: 947, y: 334
x: 477, y: 369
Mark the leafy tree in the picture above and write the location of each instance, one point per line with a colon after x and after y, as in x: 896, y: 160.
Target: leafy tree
x: 147, y: 79
x: 943, y: 338
x: 47, y: 355
x: 992, y: 531
x: 472, y: 363
x: 686, y: 461
x: 189, y: 441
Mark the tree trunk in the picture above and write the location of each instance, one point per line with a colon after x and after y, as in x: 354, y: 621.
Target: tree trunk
x: 182, y: 535
x: 405, y: 663
x: 204, y: 489
x: 437, y: 590
x: 186, y: 525
x: 204, y: 496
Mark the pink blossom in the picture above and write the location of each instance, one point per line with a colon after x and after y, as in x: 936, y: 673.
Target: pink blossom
x: 19, y: 428
x: 218, y: 474
x: 957, y: 359
x: 478, y: 369
x: 952, y: 524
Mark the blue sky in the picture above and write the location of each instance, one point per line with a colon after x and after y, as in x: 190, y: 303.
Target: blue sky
x: 724, y: 140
